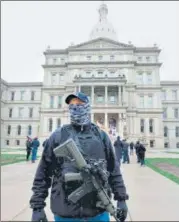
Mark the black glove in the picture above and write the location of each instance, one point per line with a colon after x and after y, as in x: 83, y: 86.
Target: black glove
x: 122, y: 210
x: 39, y: 215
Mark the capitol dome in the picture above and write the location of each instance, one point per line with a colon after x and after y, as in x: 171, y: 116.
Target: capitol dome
x: 103, y: 29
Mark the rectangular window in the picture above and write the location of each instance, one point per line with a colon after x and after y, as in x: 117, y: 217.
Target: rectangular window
x: 32, y: 95
x: 164, y: 97
x: 166, y: 145
x: 8, y: 130
x: 59, y: 101
x: 62, y: 60
x: 152, y: 143
x: 112, y: 99
x: 112, y: 57
x: 142, y: 123
x: 151, y: 127
x: 100, y: 99
x: 100, y: 74
x: 12, y: 96
x: 54, y: 61
x: 164, y: 113
x: 7, y: 142
x: 17, y: 142
x: 51, y: 101
x: 140, y: 78
x: 176, y: 113
x: 88, y: 74
x: 174, y: 94
x: 141, y: 101
x: 148, y: 58
x: 165, y: 131
x: 21, y: 112
x: 53, y: 78
x: 89, y: 98
x: 139, y: 58
x: 150, y: 101
x: 177, y: 131
x: 112, y: 73
x: 149, y: 78
x: 22, y: 95
x: 88, y: 58
x: 100, y: 57
x: 10, y: 113
x: 177, y: 145
x: 30, y: 112
x: 61, y: 77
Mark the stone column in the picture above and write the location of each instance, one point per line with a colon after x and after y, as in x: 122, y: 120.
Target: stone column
x: 106, y: 94
x: 92, y: 95
x: 92, y: 117
x: 119, y: 125
x: 106, y: 120
x: 124, y: 95
x: 119, y: 95
x: 79, y: 88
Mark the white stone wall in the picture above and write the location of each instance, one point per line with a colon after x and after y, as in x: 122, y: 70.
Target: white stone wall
x: 72, y: 63
x: 24, y: 120
x: 171, y: 103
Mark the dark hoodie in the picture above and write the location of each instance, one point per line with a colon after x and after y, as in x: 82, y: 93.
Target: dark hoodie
x: 51, y: 170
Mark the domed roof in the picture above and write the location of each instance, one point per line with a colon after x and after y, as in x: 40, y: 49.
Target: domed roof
x: 103, y: 29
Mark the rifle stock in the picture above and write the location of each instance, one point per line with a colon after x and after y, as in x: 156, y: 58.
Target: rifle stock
x: 70, y: 150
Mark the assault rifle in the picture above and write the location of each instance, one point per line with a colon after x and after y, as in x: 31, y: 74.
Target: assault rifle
x: 91, y: 180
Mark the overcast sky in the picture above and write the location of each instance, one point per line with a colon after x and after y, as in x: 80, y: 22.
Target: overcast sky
x: 29, y: 27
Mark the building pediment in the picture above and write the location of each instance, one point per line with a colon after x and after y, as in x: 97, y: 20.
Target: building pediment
x: 100, y: 43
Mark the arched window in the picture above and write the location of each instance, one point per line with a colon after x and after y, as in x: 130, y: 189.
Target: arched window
x: 50, y: 125
x: 151, y: 125
x: 58, y: 122
x: 165, y: 131
x: 9, y: 130
x: 19, y: 130
x: 142, y: 123
x: 29, y: 131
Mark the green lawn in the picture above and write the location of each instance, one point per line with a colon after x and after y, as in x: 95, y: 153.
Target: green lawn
x: 172, y: 152
x: 150, y: 162
x: 11, y: 158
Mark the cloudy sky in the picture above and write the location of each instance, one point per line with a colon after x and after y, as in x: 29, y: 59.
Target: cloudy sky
x: 29, y: 27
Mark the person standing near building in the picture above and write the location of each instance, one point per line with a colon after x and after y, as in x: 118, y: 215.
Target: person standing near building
x: 141, y: 153
x: 28, y: 147
x: 118, y: 145
x: 95, y: 144
x: 125, y: 152
x: 35, y: 145
x: 137, y: 147
x: 131, y: 148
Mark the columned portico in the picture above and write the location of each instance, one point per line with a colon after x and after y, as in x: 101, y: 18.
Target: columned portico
x: 104, y: 95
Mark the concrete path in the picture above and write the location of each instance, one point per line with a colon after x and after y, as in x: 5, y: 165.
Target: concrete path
x: 152, y: 196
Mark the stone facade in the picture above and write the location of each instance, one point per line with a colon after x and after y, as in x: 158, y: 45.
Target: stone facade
x: 122, y: 82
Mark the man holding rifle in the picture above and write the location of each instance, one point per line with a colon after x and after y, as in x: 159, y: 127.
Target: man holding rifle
x: 94, y: 145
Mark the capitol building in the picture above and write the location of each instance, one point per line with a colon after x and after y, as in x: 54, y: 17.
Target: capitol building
x: 121, y: 80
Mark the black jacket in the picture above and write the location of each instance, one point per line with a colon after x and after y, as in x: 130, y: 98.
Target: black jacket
x: 49, y: 174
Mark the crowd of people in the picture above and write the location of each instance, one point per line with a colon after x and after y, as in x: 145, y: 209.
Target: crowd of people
x: 123, y: 150
x: 32, y: 146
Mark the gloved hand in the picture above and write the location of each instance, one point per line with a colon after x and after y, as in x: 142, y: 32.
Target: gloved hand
x: 122, y: 210
x: 39, y: 215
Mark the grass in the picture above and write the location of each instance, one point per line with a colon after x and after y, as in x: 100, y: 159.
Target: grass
x: 150, y: 162
x: 172, y: 152
x: 11, y: 158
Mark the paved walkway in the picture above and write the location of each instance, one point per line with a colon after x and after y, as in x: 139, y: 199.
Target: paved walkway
x: 152, y: 196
